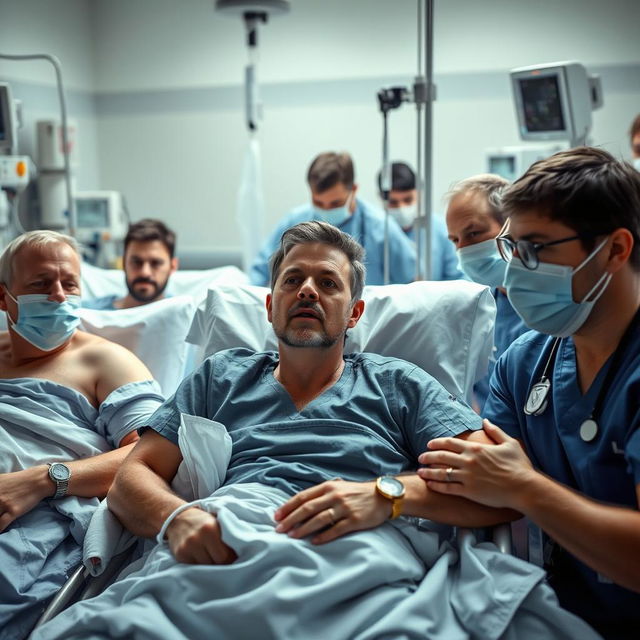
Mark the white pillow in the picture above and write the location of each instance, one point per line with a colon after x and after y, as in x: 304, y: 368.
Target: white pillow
x: 446, y: 328
x: 155, y: 332
x: 98, y: 282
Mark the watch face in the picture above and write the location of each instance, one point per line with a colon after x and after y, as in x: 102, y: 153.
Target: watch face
x: 391, y: 486
x: 59, y: 472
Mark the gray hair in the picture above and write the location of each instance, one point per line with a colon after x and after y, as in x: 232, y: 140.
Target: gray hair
x: 38, y: 238
x: 490, y: 185
x: 323, y: 233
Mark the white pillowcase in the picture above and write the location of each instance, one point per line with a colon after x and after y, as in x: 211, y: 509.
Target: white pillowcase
x: 446, y: 328
x: 155, y: 332
x: 98, y: 282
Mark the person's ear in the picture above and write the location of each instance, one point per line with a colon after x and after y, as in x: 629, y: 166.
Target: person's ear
x: 3, y: 304
x: 356, y: 313
x: 174, y: 264
x: 268, y: 304
x: 621, y: 246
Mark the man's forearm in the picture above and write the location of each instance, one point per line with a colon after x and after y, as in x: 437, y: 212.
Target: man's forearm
x: 141, y: 499
x: 604, y: 537
x: 420, y: 501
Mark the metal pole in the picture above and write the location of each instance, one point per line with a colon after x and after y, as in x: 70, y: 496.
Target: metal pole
x: 386, y: 187
x: 419, y: 176
x: 428, y: 135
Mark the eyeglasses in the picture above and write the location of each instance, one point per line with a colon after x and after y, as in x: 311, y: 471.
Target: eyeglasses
x: 527, y: 250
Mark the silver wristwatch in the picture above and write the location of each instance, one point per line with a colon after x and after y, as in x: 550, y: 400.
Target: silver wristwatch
x: 60, y: 474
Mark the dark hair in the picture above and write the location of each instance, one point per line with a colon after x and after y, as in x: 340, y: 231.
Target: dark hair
x: 324, y: 233
x: 586, y: 189
x: 402, y: 177
x: 149, y: 229
x: 635, y: 128
x: 329, y: 169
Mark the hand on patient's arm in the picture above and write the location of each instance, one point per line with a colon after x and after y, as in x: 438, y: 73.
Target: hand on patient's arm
x: 194, y: 537
x: 21, y: 491
x: 604, y: 537
x: 340, y: 505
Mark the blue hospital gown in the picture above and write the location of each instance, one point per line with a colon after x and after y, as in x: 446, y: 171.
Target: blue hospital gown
x: 607, y: 469
x: 367, y: 226
x: 376, y: 419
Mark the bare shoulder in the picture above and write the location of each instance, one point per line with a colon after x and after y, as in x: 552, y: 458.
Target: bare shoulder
x: 114, y: 365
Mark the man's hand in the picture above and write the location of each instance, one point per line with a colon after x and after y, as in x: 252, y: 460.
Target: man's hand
x: 21, y: 491
x: 195, y: 538
x: 335, y: 507
x: 491, y: 474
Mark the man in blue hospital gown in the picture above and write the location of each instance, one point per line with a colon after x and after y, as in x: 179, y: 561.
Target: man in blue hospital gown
x: 333, y: 189
x: 310, y: 428
x: 570, y: 398
x: 66, y: 399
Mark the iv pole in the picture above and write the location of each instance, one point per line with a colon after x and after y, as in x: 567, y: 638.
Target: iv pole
x: 423, y: 94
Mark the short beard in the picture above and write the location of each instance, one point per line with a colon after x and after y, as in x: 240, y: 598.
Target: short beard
x: 145, y: 298
x: 315, y: 341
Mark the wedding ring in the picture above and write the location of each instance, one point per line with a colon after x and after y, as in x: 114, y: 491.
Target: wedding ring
x: 330, y: 512
x: 449, y: 472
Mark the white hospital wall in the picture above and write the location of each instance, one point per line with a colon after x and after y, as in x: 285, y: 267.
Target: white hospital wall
x: 167, y: 79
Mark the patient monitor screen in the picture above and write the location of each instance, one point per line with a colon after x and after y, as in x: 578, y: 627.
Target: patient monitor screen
x: 3, y: 123
x: 92, y: 213
x: 541, y: 104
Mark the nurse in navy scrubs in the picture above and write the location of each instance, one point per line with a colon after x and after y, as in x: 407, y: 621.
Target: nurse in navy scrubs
x: 567, y: 397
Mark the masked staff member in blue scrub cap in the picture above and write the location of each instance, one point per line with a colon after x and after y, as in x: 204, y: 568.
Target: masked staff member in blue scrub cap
x: 474, y: 219
x: 333, y: 189
x: 403, y: 208
x: 567, y: 399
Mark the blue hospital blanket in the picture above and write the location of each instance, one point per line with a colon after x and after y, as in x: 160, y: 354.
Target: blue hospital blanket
x: 394, y: 581
x: 42, y: 421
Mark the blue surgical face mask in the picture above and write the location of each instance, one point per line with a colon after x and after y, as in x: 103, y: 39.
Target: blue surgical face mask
x: 404, y: 216
x: 482, y: 263
x: 543, y: 298
x: 44, y: 323
x: 335, y: 216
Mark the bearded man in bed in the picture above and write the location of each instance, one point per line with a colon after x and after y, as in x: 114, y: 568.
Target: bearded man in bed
x: 70, y: 403
x: 294, y: 537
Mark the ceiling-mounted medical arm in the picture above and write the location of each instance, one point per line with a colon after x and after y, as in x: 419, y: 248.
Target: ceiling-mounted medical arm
x: 66, y: 150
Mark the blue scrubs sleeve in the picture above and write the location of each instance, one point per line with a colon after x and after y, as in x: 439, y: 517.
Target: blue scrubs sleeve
x: 429, y: 411
x: 259, y: 271
x: 191, y: 398
x: 632, y: 454
x: 500, y: 407
x: 402, y: 256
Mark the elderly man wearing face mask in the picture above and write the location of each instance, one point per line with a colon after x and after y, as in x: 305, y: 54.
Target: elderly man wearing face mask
x: 474, y: 219
x: 403, y: 208
x: 70, y: 405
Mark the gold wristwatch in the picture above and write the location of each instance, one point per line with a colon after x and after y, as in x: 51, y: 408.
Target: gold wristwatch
x: 391, y: 488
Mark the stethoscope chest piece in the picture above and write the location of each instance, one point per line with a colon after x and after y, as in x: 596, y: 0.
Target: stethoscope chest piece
x: 537, y: 399
x: 588, y: 430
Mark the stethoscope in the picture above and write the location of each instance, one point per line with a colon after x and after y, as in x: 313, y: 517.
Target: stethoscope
x: 537, y: 400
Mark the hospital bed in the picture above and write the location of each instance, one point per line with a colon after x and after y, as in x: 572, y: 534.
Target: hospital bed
x: 444, y: 327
